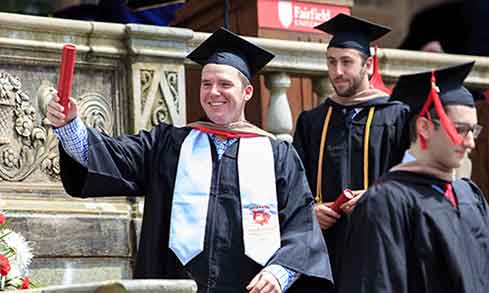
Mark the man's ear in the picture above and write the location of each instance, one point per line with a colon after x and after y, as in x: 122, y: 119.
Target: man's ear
x: 424, y: 127
x: 248, y: 92
x: 369, y: 63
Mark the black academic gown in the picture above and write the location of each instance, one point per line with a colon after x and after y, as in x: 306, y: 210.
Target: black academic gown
x: 344, y: 152
x: 406, y: 237
x: 146, y: 164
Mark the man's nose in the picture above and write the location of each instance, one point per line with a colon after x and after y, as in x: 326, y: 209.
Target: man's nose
x: 469, y: 140
x: 214, y: 90
x: 339, y: 70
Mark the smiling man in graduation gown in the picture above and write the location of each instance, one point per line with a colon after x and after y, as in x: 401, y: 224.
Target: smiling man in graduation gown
x: 226, y: 204
x: 352, y: 137
x: 417, y: 230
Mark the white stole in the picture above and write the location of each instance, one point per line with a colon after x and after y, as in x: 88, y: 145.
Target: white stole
x: 259, y: 210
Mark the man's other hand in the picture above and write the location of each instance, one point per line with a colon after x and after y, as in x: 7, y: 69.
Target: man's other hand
x: 264, y: 282
x: 326, y: 216
x: 348, y: 206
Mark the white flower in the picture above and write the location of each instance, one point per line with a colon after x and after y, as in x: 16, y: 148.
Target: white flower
x: 20, y: 261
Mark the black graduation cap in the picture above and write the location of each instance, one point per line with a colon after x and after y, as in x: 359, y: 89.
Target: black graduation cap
x: 138, y: 5
x: 225, y: 47
x: 413, y: 89
x: 419, y: 92
x: 352, y: 32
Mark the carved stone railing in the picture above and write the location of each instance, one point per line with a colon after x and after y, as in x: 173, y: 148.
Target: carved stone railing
x: 127, y: 78
x: 124, y: 286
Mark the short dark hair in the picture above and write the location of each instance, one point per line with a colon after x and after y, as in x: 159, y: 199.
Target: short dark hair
x: 364, y: 57
x: 413, y: 135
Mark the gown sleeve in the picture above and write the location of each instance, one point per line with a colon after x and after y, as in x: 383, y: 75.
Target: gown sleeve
x: 376, y: 257
x: 116, y: 166
x: 299, y: 137
x: 303, y: 249
x: 402, y: 139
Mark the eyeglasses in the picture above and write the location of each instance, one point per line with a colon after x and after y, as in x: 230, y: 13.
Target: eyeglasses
x: 463, y: 128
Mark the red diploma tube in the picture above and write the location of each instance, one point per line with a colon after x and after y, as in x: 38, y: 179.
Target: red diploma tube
x: 66, y: 70
x: 344, y: 196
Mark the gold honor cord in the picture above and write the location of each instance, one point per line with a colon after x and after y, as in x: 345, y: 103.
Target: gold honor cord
x: 324, y: 133
x: 365, y: 146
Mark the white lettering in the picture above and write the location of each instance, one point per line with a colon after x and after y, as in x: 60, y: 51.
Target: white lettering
x: 305, y: 23
x: 311, y: 14
x: 297, y: 11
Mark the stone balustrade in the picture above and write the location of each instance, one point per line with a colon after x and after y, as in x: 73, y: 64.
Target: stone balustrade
x: 124, y: 286
x: 127, y: 78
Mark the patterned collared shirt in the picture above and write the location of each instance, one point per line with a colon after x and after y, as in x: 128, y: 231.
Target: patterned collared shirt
x: 222, y: 144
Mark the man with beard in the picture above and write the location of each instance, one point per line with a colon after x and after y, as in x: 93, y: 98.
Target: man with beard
x: 226, y: 204
x: 354, y: 136
x: 418, y: 229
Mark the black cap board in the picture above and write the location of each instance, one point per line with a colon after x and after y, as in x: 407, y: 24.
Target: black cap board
x: 225, y: 47
x: 413, y: 89
x: 352, y: 32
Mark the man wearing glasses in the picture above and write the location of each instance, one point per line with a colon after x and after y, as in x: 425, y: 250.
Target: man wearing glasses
x: 418, y: 229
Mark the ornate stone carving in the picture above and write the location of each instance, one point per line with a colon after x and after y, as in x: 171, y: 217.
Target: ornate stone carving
x: 146, y: 81
x: 161, y: 112
x: 23, y: 140
x: 166, y: 94
x: 9, y: 92
x: 27, y: 142
x: 172, y: 82
x: 95, y: 111
x: 157, y: 96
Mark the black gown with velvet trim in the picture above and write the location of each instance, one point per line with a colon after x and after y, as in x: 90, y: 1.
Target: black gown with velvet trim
x: 406, y: 237
x: 146, y: 164
x: 343, y: 160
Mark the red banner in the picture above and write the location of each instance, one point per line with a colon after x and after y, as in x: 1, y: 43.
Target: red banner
x: 296, y: 15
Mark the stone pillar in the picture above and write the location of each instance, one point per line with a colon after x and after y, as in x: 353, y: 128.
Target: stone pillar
x: 279, y: 116
x: 322, y: 88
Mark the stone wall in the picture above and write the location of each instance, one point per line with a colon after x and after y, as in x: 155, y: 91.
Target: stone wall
x: 127, y: 78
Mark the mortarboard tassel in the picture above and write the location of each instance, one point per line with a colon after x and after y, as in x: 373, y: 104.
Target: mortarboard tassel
x: 434, y: 98
x: 376, y: 79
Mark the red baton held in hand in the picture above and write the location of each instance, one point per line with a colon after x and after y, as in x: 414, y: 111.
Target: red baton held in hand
x: 344, y: 196
x: 66, y: 70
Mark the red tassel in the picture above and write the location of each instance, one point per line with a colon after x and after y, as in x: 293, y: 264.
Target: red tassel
x: 434, y: 98
x: 422, y: 142
x: 66, y: 69
x: 376, y: 79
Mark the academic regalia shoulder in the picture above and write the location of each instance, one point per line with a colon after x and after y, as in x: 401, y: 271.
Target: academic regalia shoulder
x: 319, y: 110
